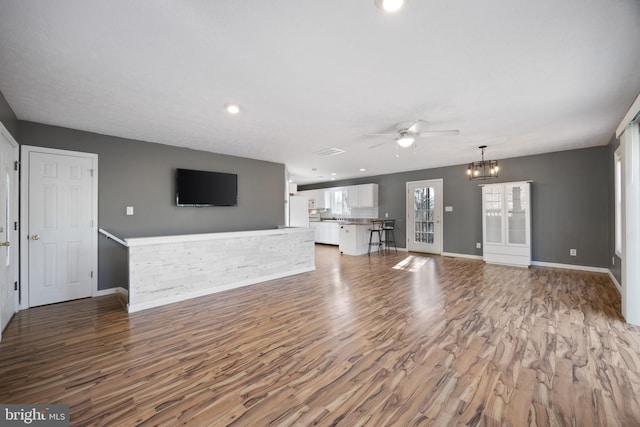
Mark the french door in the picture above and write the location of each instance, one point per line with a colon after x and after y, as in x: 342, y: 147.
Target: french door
x: 424, y: 216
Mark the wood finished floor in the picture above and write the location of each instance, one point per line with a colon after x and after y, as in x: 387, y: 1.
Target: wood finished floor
x: 397, y: 340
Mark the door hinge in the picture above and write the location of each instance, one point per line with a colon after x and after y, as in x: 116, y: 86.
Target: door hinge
x: 15, y: 226
x: 16, y: 165
x: 92, y: 274
x: 91, y: 223
x: 91, y: 172
x: 15, y: 286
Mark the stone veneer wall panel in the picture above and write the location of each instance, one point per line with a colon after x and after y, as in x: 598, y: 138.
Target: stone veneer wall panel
x: 166, y: 270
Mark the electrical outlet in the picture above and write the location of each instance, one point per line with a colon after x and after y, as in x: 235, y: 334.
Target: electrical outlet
x: 129, y: 210
x: 613, y: 260
x: 572, y: 252
x: 386, y: 215
x: 478, y: 245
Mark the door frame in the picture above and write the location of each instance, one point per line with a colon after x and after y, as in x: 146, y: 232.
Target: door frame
x: 439, y: 212
x: 14, y: 214
x: 25, y: 152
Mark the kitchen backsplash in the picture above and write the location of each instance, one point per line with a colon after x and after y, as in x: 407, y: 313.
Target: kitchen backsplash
x: 355, y: 213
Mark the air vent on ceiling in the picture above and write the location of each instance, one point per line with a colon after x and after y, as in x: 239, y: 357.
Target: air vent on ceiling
x: 329, y: 152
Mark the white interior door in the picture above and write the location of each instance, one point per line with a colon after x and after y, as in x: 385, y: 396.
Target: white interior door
x: 424, y: 216
x: 8, y: 227
x: 61, y: 218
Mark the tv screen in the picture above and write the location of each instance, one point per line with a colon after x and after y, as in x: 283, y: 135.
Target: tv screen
x: 202, y: 188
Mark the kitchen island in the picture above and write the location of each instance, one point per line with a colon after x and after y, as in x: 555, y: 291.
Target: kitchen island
x: 168, y: 269
x: 354, y: 238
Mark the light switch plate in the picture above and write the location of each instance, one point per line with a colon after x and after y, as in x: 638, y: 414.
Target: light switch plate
x: 129, y: 210
x: 448, y: 208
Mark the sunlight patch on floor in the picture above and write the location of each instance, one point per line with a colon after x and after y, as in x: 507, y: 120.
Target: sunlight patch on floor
x: 411, y: 263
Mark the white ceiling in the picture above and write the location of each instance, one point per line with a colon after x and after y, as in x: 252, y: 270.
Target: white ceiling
x: 520, y: 76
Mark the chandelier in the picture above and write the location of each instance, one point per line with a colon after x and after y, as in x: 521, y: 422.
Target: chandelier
x: 484, y: 169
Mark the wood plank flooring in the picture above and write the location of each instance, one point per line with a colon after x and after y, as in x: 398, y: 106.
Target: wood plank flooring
x: 396, y: 340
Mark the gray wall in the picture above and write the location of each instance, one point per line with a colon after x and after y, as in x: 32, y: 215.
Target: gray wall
x: 141, y: 174
x: 569, y: 204
x: 614, y: 267
x: 8, y: 117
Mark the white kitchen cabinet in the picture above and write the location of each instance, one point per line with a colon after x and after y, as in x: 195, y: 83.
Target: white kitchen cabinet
x: 354, y: 239
x: 362, y: 196
x: 352, y: 196
x: 323, y: 199
x: 367, y: 195
x: 506, y: 223
x: 326, y: 232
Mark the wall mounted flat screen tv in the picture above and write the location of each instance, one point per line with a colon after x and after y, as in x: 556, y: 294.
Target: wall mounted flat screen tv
x: 203, y: 188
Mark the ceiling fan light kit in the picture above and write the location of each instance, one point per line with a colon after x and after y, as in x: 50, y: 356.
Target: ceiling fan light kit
x: 484, y: 169
x: 406, y: 141
x: 390, y: 5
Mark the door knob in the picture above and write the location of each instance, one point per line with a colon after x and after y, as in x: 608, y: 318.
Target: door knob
x: 35, y: 237
x: 5, y: 243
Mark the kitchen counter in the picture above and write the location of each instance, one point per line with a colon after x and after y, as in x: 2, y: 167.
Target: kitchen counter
x: 357, y: 221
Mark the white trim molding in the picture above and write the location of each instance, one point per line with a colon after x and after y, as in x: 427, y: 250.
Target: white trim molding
x: 570, y: 266
x: 615, y: 281
x: 631, y: 115
x: 118, y: 290
x: 467, y: 256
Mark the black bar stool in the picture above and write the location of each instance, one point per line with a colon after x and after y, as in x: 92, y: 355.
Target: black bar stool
x: 388, y: 227
x: 376, y: 228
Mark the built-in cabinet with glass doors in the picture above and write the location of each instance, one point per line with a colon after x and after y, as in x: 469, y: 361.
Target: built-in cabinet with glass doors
x: 506, y: 223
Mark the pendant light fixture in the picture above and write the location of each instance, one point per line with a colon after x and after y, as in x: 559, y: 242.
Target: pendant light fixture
x: 484, y: 169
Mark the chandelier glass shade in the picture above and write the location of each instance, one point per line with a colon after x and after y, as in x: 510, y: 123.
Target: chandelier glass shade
x: 484, y: 169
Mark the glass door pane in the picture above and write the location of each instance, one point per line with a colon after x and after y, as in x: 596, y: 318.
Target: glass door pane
x: 493, y: 213
x: 517, y: 211
x: 423, y: 213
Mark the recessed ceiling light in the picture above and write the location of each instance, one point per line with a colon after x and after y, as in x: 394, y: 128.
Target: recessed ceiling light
x: 232, y: 108
x: 362, y: 169
x: 390, y: 5
x: 333, y: 174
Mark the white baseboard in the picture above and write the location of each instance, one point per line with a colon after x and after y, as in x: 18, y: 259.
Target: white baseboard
x: 615, y: 281
x: 570, y: 266
x: 118, y: 290
x: 455, y: 255
x: 131, y: 308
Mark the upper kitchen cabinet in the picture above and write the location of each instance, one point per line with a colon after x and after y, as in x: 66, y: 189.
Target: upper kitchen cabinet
x: 367, y: 195
x: 362, y: 196
x: 323, y: 199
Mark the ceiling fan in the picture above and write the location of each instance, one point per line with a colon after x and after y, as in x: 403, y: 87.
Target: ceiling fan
x: 406, y: 133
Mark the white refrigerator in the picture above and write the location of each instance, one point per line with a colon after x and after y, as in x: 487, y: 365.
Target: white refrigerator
x: 298, y: 211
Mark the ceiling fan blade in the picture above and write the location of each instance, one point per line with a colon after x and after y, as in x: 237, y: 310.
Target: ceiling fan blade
x: 439, y: 132
x: 378, y: 145
x: 413, y: 128
x: 381, y: 134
